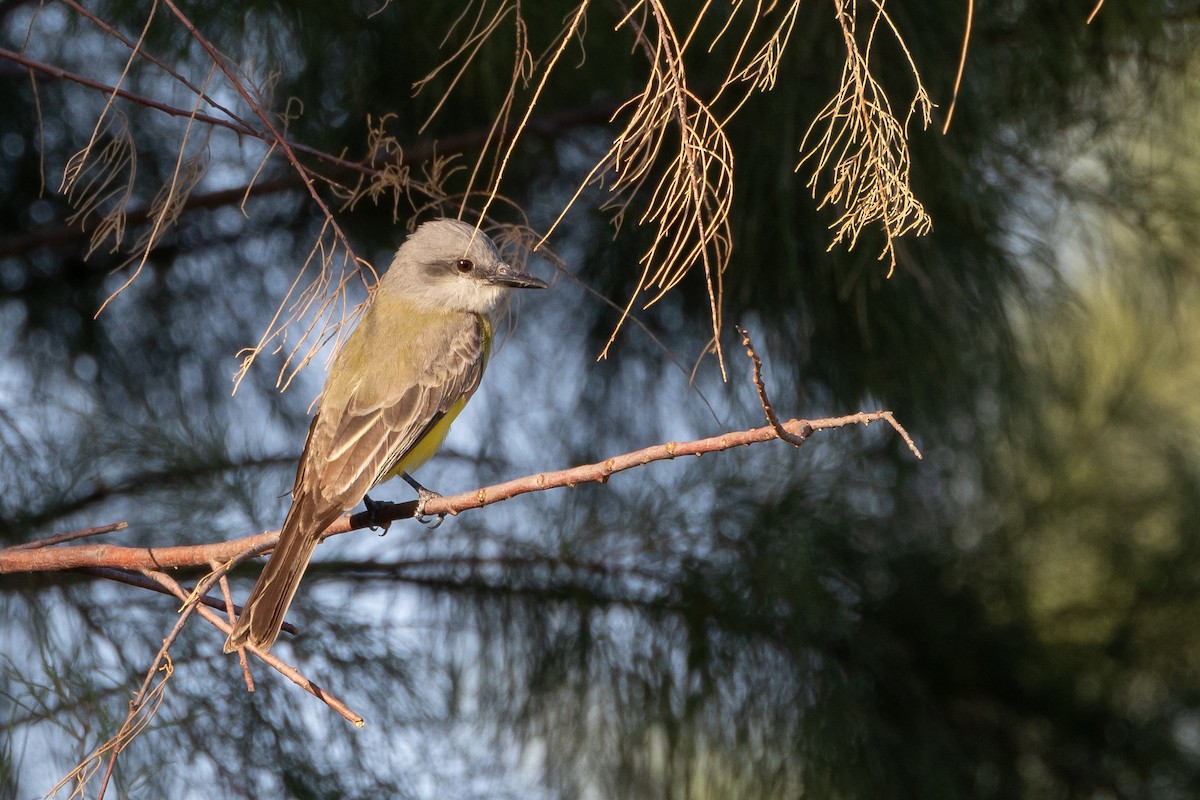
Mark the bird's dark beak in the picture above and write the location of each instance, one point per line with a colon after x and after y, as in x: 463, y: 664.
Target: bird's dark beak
x: 515, y: 279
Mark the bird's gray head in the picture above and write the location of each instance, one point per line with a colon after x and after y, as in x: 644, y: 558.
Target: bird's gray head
x: 447, y: 264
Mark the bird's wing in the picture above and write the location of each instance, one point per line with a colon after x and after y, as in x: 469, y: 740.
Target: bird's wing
x: 382, y: 420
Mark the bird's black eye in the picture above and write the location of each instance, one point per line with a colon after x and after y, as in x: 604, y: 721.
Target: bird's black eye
x: 465, y: 265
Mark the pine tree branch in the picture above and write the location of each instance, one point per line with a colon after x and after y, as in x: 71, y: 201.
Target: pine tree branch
x: 51, y: 559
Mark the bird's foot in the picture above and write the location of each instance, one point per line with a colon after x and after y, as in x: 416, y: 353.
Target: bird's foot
x: 424, y: 496
x: 375, y: 515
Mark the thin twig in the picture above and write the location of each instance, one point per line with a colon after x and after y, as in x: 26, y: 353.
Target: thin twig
x: 962, y: 64
x: 167, y: 108
x: 548, y: 126
x: 288, y: 671
x: 141, y: 51
x: 689, y: 201
x: 887, y: 417
x: 265, y: 118
x: 863, y: 146
x: 184, y: 178
x: 134, y: 719
x: 71, y: 536
x: 772, y: 417
x: 140, y: 581
x: 74, y: 77
x: 512, y: 145
x: 231, y: 616
x: 87, y: 768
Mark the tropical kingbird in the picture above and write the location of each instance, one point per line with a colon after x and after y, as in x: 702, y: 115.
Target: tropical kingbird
x: 395, y: 386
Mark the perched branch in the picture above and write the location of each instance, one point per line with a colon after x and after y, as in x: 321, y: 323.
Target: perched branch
x: 141, y: 558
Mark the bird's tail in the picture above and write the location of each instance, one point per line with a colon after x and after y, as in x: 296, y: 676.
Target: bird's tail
x: 262, y: 615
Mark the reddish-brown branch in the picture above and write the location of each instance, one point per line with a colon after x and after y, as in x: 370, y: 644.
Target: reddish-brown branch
x: 62, y: 538
x: 232, y: 612
x: 142, y: 558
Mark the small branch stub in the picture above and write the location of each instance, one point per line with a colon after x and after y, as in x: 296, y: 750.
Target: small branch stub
x: 772, y: 417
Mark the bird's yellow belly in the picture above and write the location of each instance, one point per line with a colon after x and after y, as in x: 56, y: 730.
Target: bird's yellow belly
x: 423, y: 450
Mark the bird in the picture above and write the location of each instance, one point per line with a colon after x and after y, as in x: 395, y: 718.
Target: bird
x: 396, y: 384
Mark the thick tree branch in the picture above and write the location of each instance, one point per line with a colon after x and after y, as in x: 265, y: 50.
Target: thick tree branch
x: 158, y: 558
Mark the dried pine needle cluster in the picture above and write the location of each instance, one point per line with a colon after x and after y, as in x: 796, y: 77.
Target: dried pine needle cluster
x: 670, y: 165
x: 863, y: 148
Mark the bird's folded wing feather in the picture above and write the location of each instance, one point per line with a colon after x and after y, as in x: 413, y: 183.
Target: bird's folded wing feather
x: 383, y: 420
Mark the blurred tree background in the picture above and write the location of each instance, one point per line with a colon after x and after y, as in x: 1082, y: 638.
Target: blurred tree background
x: 1011, y: 617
